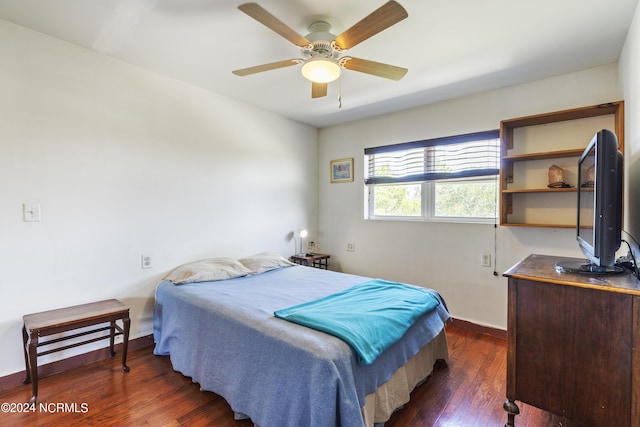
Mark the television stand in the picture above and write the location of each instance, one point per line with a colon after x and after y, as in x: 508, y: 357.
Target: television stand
x: 585, y: 267
x: 573, y: 344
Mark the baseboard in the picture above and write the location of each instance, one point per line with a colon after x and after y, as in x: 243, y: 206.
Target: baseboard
x: 494, y: 332
x: 14, y: 380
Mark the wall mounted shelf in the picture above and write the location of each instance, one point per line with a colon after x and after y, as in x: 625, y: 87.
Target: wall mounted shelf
x: 530, y: 145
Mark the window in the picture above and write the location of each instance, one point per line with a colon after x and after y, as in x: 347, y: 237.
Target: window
x: 453, y: 178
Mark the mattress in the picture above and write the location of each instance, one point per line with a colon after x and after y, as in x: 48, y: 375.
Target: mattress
x: 225, y: 337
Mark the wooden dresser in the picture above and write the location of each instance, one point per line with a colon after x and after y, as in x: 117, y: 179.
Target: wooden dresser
x: 573, y: 343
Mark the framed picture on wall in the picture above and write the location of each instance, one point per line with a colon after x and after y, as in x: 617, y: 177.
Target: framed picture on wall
x: 342, y: 170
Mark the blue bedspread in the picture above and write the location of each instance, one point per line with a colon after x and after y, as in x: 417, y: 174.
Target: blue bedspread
x: 225, y: 337
x: 370, y: 316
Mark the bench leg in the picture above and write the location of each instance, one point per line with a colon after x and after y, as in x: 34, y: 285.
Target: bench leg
x: 31, y: 352
x: 25, y: 338
x: 112, y: 337
x: 126, y: 324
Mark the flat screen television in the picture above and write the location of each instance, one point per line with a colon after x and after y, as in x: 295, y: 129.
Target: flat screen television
x: 599, y: 205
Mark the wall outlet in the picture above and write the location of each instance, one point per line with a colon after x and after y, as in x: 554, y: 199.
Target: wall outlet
x: 146, y: 261
x: 486, y: 260
x: 351, y: 247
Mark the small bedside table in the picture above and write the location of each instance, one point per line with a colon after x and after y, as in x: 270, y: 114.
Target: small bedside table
x: 312, y: 260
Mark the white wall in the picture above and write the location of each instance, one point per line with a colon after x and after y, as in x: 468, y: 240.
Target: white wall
x: 629, y: 72
x: 446, y: 256
x: 125, y: 162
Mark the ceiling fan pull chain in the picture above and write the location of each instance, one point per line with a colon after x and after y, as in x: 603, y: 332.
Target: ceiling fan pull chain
x: 340, y: 92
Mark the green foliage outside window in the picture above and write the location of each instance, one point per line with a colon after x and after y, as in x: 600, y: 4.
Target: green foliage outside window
x: 466, y: 199
x: 398, y: 200
x: 461, y: 199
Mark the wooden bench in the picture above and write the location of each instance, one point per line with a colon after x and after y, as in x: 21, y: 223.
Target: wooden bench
x: 38, y: 325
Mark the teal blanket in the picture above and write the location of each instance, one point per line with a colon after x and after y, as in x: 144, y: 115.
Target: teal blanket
x: 370, y: 316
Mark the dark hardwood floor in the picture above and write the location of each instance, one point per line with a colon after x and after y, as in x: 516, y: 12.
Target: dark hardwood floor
x: 468, y: 391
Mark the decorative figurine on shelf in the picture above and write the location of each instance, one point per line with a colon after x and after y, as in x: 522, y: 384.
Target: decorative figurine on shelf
x: 556, y: 178
x: 590, y: 177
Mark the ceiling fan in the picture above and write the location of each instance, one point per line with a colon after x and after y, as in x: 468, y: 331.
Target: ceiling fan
x: 322, y: 60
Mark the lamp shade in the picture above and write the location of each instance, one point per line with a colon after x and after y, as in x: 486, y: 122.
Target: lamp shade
x: 321, y: 70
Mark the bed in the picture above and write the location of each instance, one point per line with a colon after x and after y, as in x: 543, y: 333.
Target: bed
x: 223, y: 335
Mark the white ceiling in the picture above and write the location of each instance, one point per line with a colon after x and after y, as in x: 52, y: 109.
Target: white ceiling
x: 451, y: 47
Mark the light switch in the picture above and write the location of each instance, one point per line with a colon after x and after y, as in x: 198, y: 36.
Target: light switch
x: 31, y: 212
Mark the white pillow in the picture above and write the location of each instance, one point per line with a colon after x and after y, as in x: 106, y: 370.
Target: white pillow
x: 265, y: 261
x: 206, y: 270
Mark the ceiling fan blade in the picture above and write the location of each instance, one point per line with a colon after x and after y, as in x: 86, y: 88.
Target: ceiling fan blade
x: 379, y: 20
x: 375, y: 68
x: 266, y: 67
x: 318, y: 90
x: 258, y: 13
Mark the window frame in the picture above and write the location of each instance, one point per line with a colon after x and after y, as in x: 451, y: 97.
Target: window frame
x: 428, y: 185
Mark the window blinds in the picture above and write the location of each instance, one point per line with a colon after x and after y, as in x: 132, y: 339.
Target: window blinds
x: 460, y: 156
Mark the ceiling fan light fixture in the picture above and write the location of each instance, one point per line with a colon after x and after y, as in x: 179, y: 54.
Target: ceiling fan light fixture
x: 321, y: 70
